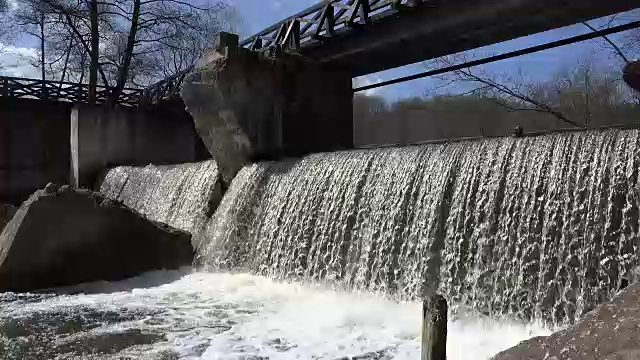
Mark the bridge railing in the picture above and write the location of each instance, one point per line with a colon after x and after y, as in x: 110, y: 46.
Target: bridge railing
x: 57, y: 91
x: 165, y: 89
x: 322, y: 21
x: 317, y: 23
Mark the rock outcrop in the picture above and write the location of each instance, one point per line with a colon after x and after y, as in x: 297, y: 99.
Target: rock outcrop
x: 609, y: 332
x: 65, y: 236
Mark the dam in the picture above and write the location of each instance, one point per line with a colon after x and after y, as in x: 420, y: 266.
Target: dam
x: 521, y: 235
x: 306, y: 248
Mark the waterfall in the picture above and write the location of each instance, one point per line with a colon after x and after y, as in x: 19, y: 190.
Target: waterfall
x: 183, y: 196
x: 543, y: 227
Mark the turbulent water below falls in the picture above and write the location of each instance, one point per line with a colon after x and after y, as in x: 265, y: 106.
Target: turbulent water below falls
x: 183, y: 315
x: 536, y: 228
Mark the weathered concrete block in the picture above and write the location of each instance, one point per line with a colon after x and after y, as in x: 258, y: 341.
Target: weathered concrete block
x: 248, y: 106
x: 64, y: 236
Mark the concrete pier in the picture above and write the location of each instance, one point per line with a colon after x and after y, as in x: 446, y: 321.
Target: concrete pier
x: 249, y: 106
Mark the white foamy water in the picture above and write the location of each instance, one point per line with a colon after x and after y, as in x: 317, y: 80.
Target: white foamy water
x: 233, y: 316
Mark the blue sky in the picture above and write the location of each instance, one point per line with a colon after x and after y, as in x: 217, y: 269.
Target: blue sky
x: 256, y: 15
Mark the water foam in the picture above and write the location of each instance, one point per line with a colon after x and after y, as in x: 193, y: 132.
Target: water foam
x: 237, y: 316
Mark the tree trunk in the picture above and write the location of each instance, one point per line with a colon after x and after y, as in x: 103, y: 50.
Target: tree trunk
x: 66, y: 61
x: 43, y: 72
x: 123, y: 73
x: 95, y: 51
x: 42, y: 57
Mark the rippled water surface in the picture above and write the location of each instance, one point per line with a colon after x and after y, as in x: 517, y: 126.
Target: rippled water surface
x: 185, y: 315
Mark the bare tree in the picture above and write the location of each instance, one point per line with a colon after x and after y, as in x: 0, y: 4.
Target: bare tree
x: 4, y: 27
x: 506, y: 90
x: 153, y: 39
x: 629, y: 45
x: 586, y: 94
x: 32, y: 19
x: 120, y: 43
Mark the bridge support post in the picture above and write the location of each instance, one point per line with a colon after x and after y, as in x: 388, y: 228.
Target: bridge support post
x: 248, y: 106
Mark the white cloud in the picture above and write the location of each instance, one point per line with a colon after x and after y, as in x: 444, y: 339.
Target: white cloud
x: 17, y: 61
x: 365, y: 81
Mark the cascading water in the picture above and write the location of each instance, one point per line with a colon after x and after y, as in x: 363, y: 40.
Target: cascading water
x: 536, y: 228
x: 540, y: 227
x: 183, y: 196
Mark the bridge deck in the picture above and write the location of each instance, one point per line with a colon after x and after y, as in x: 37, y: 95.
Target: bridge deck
x: 383, y: 36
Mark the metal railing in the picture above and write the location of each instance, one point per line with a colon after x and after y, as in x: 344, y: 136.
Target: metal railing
x: 57, y: 91
x: 322, y: 21
x: 165, y: 89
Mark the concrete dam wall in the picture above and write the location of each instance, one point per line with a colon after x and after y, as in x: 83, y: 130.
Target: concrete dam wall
x: 43, y: 142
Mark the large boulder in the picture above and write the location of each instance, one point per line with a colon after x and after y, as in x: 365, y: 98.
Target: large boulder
x: 65, y: 236
x: 609, y: 332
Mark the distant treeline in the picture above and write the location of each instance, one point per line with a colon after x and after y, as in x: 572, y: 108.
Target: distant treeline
x: 581, y: 98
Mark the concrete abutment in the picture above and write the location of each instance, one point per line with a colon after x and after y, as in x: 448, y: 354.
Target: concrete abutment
x: 249, y: 106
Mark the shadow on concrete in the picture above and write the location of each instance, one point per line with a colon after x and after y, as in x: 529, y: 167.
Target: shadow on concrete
x: 146, y: 280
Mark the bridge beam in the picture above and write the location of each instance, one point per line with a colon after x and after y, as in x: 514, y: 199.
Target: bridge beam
x: 398, y: 37
x: 248, y: 106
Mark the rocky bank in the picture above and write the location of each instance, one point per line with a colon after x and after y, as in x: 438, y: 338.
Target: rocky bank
x: 63, y: 236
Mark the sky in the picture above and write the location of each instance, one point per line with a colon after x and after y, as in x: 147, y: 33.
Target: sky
x: 255, y: 15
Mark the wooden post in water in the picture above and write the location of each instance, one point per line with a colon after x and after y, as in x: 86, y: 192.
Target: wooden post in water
x: 434, y: 328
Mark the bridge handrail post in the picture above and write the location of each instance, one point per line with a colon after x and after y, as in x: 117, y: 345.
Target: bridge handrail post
x: 44, y: 89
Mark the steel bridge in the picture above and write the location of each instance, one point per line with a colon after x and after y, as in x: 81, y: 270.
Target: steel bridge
x: 367, y: 36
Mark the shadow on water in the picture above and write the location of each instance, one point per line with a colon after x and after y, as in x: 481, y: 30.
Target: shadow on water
x: 146, y: 280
